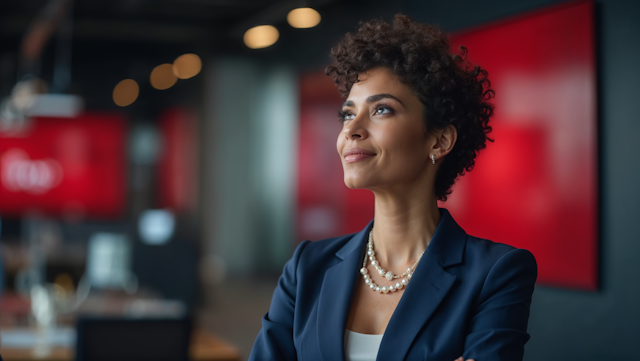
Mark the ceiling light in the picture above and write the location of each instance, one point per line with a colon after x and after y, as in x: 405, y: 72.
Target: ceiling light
x: 187, y: 66
x: 162, y: 77
x: 126, y: 92
x: 303, y: 18
x: 261, y: 36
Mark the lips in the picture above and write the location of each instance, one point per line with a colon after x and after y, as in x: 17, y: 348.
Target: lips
x: 353, y: 155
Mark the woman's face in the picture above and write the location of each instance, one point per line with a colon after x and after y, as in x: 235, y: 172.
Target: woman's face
x: 383, y: 142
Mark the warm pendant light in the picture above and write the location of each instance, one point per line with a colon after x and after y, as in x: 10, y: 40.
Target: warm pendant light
x: 187, y: 66
x: 303, y: 18
x: 126, y: 92
x: 162, y: 77
x: 261, y: 36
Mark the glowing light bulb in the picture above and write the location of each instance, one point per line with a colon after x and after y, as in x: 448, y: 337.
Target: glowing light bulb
x: 126, y: 92
x: 261, y: 36
x: 162, y: 77
x: 187, y: 66
x: 303, y: 18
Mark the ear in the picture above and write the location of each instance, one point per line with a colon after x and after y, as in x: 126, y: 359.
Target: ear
x: 444, y: 141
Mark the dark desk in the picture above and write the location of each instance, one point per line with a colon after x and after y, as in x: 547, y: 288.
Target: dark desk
x: 204, y: 347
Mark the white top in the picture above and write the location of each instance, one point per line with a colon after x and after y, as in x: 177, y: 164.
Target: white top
x: 360, y: 346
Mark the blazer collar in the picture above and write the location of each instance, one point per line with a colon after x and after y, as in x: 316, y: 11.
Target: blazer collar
x: 355, y: 243
x: 336, y: 294
x: 448, y: 241
x: 428, y: 287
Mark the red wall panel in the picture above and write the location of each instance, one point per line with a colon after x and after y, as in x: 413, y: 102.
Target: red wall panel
x: 536, y: 186
x: 177, y: 166
x: 62, y: 166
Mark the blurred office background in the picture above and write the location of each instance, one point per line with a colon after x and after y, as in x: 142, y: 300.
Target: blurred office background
x: 166, y: 157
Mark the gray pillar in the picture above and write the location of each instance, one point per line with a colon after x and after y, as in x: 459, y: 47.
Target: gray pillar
x: 249, y: 146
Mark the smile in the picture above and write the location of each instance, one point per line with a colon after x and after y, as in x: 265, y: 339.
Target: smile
x: 353, y: 155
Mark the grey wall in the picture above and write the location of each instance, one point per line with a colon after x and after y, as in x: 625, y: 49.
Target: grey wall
x: 605, y: 325
x: 248, y: 146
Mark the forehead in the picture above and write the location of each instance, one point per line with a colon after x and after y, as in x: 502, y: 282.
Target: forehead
x: 379, y: 81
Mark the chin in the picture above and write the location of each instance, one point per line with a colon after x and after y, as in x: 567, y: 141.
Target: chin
x: 351, y: 185
x: 357, y: 182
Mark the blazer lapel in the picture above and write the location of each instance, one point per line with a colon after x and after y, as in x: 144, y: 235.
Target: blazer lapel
x: 429, y: 285
x: 336, y: 295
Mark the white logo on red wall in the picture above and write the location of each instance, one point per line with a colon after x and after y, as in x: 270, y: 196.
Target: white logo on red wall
x: 21, y: 174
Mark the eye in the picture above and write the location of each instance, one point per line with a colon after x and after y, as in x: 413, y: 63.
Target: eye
x: 345, y: 115
x: 383, y: 109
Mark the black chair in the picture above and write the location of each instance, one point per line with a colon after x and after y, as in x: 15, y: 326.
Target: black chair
x: 131, y: 339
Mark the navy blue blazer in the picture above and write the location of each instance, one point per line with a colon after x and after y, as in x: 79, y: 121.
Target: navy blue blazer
x: 468, y: 296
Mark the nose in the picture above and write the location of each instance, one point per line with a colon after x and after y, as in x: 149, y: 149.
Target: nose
x: 356, y: 128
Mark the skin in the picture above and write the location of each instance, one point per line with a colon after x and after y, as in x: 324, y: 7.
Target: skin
x: 384, y: 119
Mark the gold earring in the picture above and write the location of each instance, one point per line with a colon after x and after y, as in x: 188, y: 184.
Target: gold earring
x: 433, y: 158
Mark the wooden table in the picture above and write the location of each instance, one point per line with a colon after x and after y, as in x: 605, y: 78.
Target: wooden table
x: 204, y: 347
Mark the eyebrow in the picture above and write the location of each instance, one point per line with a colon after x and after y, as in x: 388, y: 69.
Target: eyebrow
x: 373, y: 99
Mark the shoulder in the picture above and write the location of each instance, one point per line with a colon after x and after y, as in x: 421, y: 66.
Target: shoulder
x: 495, y: 265
x: 321, y: 251
x: 479, y: 250
x: 303, y: 274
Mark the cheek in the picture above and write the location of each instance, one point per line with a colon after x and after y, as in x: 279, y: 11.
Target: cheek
x: 404, y: 145
x: 406, y: 156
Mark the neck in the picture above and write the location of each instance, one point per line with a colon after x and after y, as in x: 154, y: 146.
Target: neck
x: 404, y: 225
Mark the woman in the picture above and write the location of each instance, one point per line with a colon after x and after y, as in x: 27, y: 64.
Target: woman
x: 412, y: 285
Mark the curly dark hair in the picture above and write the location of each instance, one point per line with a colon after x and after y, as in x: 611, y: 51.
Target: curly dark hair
x: 453, y: 91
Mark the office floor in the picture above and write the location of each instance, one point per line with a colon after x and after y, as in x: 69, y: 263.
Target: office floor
x: 233, y: 310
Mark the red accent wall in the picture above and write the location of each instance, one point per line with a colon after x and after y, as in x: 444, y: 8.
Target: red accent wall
x: 178, y: 162
x: 536, y: 186
x: 62, y: 166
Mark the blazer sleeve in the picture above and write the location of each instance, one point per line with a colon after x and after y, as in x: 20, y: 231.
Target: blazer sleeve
x: 275, y: 339
x: 498, y: 328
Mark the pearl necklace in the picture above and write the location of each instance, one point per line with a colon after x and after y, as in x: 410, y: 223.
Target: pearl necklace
x: 371, y: 254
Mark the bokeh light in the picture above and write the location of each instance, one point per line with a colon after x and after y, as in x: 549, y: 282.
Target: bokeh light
x: 162, y: 77
x: 126, y: 92
x: 261, y: 36
x: 187, y: 66
x: 303, y: 18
